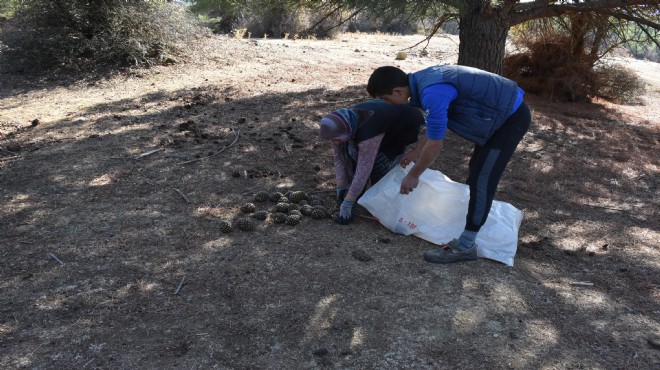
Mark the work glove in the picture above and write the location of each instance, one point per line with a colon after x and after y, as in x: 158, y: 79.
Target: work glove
x: 341, y: 194
x: 345, y: 212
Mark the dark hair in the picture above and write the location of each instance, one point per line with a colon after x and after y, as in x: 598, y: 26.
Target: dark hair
x: 384, y: 79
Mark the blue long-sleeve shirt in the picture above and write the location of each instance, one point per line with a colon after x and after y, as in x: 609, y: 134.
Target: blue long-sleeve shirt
x: 435, y: 101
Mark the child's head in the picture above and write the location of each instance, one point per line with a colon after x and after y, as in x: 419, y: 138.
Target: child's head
x: 390, y: 84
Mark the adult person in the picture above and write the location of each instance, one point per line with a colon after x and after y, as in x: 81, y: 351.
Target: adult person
x: 479, y: 106
x: 368, y: 140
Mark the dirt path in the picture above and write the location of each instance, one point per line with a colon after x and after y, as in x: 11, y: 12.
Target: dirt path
x: 110, y: 259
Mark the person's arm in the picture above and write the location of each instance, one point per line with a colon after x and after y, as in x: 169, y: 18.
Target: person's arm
x: 412, y: 155
x: 429, y: 153
x: 435, y: 101
x: 367, y: 152
x: 340, y: 167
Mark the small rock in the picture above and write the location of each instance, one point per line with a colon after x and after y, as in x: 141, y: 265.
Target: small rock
x: 320, y: 352
x: 654, y: 343
x: 35, y: 122
x: 13, y: 147
x: 189, y: 125
x: 361, y: 256
x: 169, y: 61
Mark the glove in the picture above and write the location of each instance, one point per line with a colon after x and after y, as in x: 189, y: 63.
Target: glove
x: 345, y: 212
x: 341, y: 194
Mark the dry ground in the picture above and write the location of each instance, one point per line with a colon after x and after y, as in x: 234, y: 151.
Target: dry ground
x: 112, y: 260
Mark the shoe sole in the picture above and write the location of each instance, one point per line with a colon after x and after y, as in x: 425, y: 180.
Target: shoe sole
x: 447, y: 261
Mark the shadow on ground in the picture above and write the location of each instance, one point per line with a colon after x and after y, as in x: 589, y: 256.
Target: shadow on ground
x: 149, y: 280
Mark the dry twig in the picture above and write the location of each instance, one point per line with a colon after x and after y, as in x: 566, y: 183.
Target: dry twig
x: 183, y: 195
x: 10, y: 158
x: 582, y: 283
x: 55, y: 258
x: 178, y: 289
x: 148, y: 153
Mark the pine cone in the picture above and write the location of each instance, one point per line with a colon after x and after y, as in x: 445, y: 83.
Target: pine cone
x: 260, y: 215
x: 245, y: 224
x: 261, y: 196
x: 282, y: 207
x: 295, y: 212
x: 278, y: 218
x: 248, y: 208
x: 293, y: 220
x: 306, y: 210
x: 274, y: 197
x: 297, y: 196
x: 225, y: 226
x: 315, y: 200
x: 319, y: 213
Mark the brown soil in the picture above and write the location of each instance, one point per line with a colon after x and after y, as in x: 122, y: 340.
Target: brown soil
x: 112, y: 260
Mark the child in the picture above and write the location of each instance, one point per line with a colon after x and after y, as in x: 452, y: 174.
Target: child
x: 479, y: 106
x: 368, y: 140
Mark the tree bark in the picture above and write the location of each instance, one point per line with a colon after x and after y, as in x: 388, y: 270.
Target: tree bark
x: 482, y: 36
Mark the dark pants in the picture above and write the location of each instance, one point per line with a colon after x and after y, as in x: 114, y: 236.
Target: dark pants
x: 488, y: 163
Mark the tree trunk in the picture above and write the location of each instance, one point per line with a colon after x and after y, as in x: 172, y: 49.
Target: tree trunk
x: 482, y: 36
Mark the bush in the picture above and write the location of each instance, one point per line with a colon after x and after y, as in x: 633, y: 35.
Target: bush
x: 365, y: 22
x: 82, y: 34
x: 272, y: 21
x: 277, y: 19
x: 618, y: 83
x: 262, y: 17
x: 547, y: 68
x: 566, y: 66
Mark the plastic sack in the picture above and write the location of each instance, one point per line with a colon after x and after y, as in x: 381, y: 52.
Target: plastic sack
x: 435, y: 211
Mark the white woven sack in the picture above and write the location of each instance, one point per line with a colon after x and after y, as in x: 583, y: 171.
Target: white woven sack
x: 435, y: 211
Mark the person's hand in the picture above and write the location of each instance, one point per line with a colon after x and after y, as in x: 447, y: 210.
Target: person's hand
x: 408, y: 184
x: 407, y: 158
x: 345, y: 212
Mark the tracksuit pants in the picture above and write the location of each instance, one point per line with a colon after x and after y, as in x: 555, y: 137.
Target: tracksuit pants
x: 488, y: 163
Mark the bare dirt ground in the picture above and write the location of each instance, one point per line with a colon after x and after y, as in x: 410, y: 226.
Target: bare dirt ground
x: 114, y: 260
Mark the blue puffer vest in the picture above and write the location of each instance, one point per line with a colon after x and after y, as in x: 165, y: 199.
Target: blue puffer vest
x: 484, y: 101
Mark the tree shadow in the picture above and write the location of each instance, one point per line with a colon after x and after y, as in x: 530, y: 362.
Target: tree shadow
x: 137, y: 231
